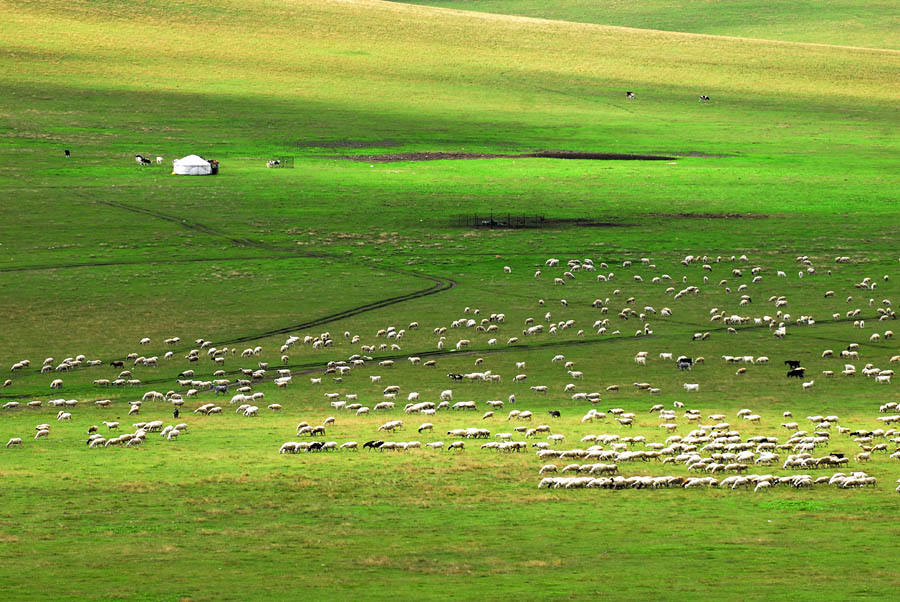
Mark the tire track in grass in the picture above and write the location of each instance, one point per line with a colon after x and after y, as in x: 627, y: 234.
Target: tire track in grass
x: 438, y: 284
x: 106, y: 264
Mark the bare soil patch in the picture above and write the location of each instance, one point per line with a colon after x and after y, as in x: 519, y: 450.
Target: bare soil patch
x: 445, y: 156
x: 710, y: 215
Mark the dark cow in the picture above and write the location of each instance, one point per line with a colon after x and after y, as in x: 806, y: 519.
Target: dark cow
x: 554, y: 413
x: 796, y: 372
x: 68, y: 154
x: 117, y: 364
x: 792, y: 363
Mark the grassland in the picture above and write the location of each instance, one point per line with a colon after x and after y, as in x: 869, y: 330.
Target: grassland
x: 870, y: 23
x: 796, y: 154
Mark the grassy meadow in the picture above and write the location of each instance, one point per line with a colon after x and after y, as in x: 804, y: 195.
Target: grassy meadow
x: 869, y: 23
x: 794, y: 156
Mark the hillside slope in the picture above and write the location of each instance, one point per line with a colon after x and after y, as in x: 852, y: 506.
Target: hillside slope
x: 869, y: 23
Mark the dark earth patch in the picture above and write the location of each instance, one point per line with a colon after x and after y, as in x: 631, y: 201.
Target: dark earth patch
x: 710, y: 215
x: 443, y: 156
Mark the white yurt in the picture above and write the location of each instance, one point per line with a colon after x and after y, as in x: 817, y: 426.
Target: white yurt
x: 192, y: 165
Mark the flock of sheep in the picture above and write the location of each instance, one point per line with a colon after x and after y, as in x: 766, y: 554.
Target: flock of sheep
x: 711, y: 444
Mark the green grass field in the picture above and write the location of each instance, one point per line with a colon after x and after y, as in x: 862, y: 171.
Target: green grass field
x: 794, y: 156
x: 870, y: 23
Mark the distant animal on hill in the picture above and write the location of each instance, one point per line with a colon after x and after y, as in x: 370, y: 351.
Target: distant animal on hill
x: 141, y: 160
x: 792, y: 363
x: 704, y: 98
x: 629, y: 95
x: 68, y: 154
x: 159, y: 160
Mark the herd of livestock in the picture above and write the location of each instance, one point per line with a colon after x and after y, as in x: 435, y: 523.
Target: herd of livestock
x: 707, y: 449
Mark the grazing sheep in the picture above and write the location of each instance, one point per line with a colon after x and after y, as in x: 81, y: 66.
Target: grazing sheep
x: 15, y: 441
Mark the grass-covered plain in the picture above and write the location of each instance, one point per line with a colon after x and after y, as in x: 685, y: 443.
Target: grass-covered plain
x: 870, y: 23
x: 795, y: 155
